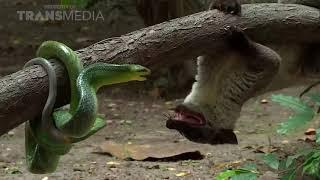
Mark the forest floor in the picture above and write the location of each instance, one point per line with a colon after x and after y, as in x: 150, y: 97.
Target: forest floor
x: 136, y: 128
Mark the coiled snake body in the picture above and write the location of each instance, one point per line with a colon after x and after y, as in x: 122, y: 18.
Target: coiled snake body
x: 52, y: 135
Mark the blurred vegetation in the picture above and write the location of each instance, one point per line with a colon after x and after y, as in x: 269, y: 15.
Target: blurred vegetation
x: 305, y: 161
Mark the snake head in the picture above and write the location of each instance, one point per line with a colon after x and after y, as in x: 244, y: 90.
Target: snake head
x: 139, y: 72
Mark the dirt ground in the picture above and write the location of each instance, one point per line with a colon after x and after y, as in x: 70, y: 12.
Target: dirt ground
x: 139, y: 119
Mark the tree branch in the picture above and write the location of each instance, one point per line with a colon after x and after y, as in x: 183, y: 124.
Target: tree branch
x: 23, y: 94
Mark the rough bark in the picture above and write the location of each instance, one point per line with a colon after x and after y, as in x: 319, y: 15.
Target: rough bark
x: 23, y: 94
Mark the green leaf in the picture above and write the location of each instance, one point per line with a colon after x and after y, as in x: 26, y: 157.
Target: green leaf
x: 245, y: 176
x: 294, y: 122
x: 271, y: 160
x: 312, y: 164
x: 318, y: 136
x: 250, y: 166
x: 304, y: 113
x: 294, y: 103
x: 315, y: 98
x: 225, y: 175
x: 290, y: 175
x: 291, y: 159
x: 282, y: 164
x: 242, y: 171
x: 239, y: 174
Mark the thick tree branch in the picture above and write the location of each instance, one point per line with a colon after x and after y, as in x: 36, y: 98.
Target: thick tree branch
x: 23, y: 94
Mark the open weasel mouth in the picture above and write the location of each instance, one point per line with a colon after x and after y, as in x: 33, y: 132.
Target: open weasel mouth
x: 185, y: 115
x: 194, y: 127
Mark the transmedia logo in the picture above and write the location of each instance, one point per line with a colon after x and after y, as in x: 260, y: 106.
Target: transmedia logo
x: 67, y: 10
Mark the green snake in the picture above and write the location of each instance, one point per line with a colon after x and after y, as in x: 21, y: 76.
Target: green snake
x: 52, y: 135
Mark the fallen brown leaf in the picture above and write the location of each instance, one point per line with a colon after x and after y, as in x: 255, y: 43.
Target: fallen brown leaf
x: 232, y: 164
x: 171, y: 169
x: 310, y: 131
x: 266, y: 149
x: 264, y: 101
x: 152, y: 151
x: 182, y: 174
x: 112, y: 163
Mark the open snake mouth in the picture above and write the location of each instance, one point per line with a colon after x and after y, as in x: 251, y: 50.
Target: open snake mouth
x: 143, y: 73
x: 141, y: 76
